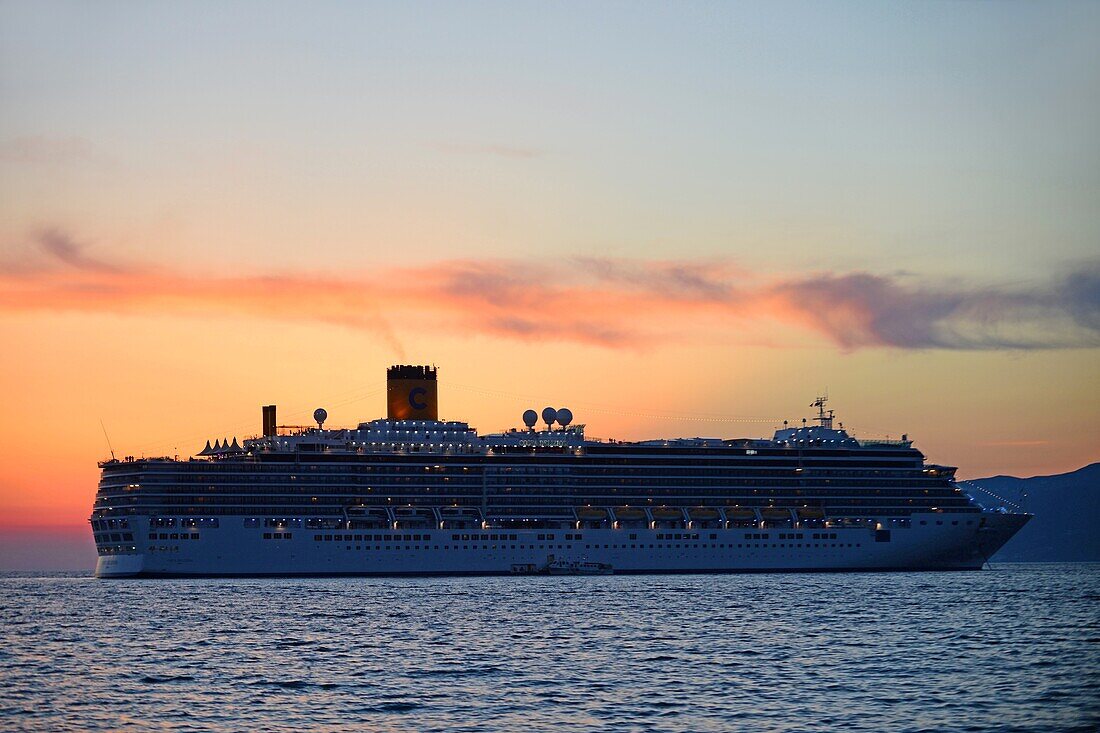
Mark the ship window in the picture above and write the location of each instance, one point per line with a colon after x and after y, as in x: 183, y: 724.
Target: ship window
x: 267, y: 535
x: 542, y: 538
x: 288, y: 535
x: 455, y: 537
x: 317, y: 538
x: 152, y: 536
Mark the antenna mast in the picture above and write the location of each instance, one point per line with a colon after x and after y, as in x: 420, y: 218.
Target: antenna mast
x: 108, y: 438
x: 824, y: 417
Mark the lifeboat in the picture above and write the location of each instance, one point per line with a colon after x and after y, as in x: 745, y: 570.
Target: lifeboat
x: 369, y: 517
x: 411, y: 517
x: 665, y: 513
x: 591, y: 514
x: 361, y: 510
x: 811, y: 512
x: 404, y: 512
x: 457, y: 517
x: 740, y: 514
x: 629, y: 514
x: 775, y: 514
x: 703, y: 513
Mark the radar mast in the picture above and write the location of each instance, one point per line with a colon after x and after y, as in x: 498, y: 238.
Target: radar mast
x: 824, y: 417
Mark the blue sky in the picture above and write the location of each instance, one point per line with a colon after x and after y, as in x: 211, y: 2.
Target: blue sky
x: 926, y: 137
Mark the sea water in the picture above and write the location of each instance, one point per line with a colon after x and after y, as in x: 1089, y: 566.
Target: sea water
x: 1016, y: 647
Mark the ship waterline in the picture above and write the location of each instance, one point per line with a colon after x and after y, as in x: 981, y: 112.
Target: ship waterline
x: 400, y: 496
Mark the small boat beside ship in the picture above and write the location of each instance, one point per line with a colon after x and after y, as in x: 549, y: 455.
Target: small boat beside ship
x: 579, y: 567
x: 561, y: 566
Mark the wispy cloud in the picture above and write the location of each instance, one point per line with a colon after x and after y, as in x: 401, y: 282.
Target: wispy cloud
x: 615, y: 303
x: 65, y: 249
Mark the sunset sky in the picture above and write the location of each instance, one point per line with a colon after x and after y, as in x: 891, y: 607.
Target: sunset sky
x: 675, y: 219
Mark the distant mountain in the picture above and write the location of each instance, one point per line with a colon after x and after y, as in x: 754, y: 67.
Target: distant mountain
x: 1066, y: 527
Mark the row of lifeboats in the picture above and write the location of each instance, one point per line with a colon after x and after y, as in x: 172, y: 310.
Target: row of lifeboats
x: 592, y: 517
x: 698, y: 514
x: 413, y: 517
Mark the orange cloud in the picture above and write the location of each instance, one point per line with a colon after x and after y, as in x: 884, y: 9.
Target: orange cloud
x: 607, y: 302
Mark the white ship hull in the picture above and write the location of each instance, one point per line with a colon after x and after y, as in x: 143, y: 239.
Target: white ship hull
x: 932, y: 542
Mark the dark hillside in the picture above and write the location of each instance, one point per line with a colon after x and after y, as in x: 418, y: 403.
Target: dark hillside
x: 1066, y: 527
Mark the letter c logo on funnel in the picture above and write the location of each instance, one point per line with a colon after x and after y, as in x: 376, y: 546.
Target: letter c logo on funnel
x: 414, y: 398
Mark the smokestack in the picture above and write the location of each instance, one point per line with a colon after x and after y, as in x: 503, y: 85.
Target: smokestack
x: 411, y: 393
x: 269, y: 420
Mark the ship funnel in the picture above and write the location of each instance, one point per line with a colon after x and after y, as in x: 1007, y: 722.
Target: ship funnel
x: 269, y: 421
x: 411, y: 393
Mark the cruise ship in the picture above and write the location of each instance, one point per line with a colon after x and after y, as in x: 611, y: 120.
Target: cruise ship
x: 415, y: 495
